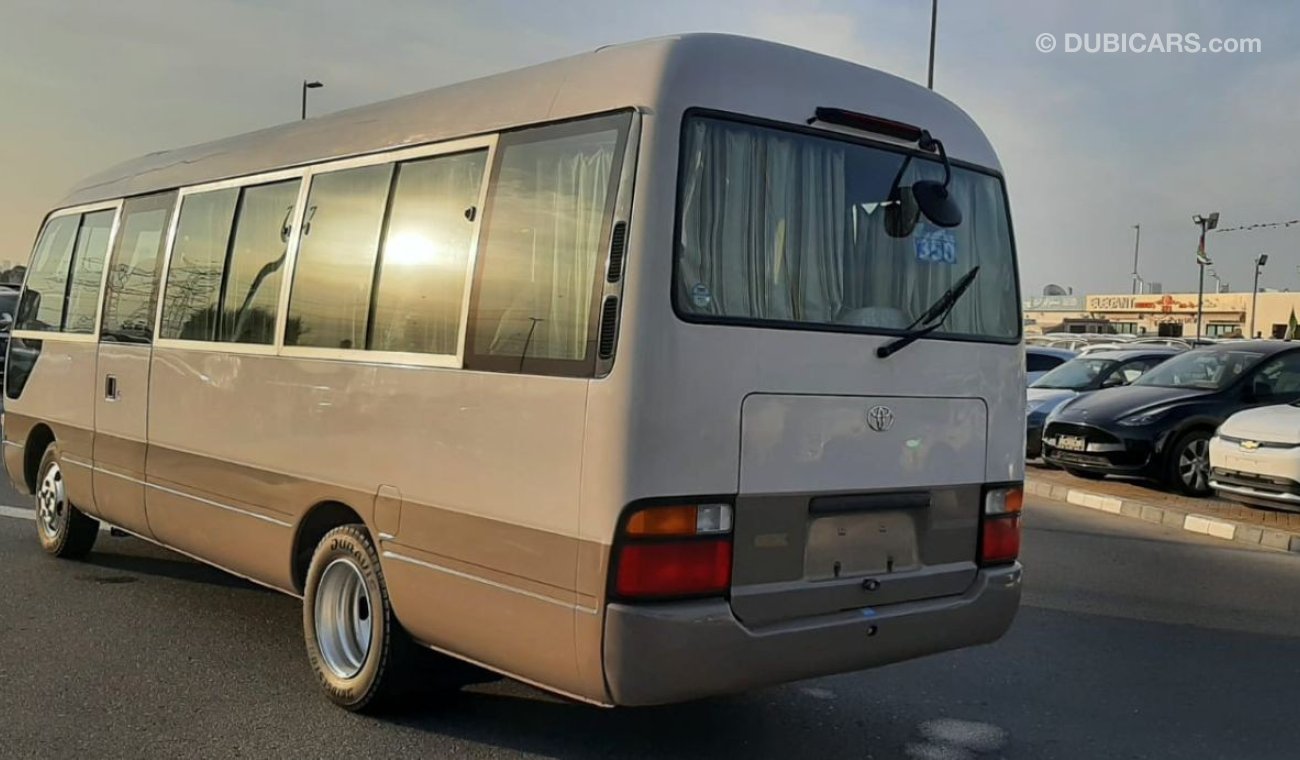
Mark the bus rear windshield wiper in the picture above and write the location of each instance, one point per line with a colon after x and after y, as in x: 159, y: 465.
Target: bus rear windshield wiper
x: 933, y: 317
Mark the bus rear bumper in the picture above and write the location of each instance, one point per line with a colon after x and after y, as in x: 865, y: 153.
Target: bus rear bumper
x: 656, y: 654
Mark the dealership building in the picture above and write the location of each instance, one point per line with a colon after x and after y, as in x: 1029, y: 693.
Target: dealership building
x: 1164, y: 314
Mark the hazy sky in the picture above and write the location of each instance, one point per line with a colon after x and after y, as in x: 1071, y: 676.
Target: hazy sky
x: 1091, y: 143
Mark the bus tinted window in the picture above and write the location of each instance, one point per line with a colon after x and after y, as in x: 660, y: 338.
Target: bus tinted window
x: 194, y: 277
x: 329, y: 303
x: 47, y: 278
x: 551, y: 201
x: 87, y: 271
x: 421, y: 282
x: 781, y: 227
x: 132, y: 288
x: 252, y: 292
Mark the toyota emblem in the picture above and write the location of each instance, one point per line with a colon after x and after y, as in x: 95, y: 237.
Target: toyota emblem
x: 880, y: 418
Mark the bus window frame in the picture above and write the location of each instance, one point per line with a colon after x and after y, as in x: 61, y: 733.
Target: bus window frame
x: 620, y: 120
x: 452, y: 147
x: 853, y: 138
x: 239, y: 183
x: 305, y: 174
x: 159, y: 266
x: 59, y: 334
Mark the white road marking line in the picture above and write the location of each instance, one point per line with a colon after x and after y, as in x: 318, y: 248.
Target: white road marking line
x: 968, y: 734
x: 18, y: 513
x: 950, y: 739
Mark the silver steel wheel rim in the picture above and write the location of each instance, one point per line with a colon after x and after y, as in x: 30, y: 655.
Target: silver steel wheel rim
x: 344, y: 618
x: 1194, y: 464
x: 51, y: 503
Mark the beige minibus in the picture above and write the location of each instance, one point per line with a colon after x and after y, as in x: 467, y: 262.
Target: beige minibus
x: 673, y: 369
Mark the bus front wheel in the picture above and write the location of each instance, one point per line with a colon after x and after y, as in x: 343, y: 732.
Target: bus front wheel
x: 64, y: 530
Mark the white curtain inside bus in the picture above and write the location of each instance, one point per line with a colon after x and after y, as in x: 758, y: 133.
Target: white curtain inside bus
x: 780, y: 226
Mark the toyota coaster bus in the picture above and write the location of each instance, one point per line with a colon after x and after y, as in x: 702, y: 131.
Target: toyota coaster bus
x: 673, y: 369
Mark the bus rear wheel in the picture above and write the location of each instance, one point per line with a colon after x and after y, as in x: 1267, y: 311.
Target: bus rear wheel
x: 64, y: 530
x: 361, y: 655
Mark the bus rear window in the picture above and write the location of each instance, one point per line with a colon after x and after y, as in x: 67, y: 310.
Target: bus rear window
x: 787, y: 229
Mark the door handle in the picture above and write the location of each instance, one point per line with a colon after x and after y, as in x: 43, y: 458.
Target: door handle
x: 110, y: 388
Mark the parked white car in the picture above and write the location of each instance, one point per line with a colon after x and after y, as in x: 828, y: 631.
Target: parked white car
x: 1255, y: 457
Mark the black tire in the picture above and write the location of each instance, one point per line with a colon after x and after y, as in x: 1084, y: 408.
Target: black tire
x: 1085, y: 474
x: 1192, y: 445
x: 64, y: 531
x: 393, y: 666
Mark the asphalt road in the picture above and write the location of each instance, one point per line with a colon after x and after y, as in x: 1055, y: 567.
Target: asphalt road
x: 1134, y: 641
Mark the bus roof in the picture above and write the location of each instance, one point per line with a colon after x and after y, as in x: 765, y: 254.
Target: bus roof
x: 664, y: 76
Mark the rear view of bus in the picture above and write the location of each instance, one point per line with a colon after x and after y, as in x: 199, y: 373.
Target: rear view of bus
x: 832, y: 385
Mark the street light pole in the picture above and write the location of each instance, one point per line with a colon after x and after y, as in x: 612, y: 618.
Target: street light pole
x: 1260, y: 261
x: 1205, y: 223
x: 1137, y: 241
x: 934, y: 23
x: 305, y: 87
x: 1200, y: 296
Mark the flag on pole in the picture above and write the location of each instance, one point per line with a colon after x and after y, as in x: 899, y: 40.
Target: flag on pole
x: 1201, y: 258
x: 1292, y: 326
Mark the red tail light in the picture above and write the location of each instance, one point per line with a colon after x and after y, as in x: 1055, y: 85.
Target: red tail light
x: 1000, y: 526
x: 676, y: 550
x: 1000, y: 540
x: 674, y: 568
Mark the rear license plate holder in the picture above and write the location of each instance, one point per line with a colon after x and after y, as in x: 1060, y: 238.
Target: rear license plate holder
x: 857, y: 544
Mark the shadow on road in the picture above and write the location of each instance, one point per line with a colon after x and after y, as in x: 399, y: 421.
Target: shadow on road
x: 763, y: 724
x: 170, y: 566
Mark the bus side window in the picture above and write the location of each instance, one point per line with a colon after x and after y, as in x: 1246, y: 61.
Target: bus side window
x: 88, y: 259
x: 197, y: 260
x: 132, y: 285
x: 227, y: 264
x: 257, y: 253
x: 420, y: 285
x: 329, y: 300
x: 47, y: 277
x: 549, y: 213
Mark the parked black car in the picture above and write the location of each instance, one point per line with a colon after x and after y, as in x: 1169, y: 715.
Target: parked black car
x: 1160, y: 426
x: 1084, y: 374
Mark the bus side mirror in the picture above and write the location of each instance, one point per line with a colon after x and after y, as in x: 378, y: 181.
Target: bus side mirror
x: 932, y: 197
x: 935, y: 202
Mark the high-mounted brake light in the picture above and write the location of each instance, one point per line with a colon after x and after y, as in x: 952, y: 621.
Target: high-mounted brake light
x: 1000, y: 525
x: 674, y: 551
x: 898, y: 130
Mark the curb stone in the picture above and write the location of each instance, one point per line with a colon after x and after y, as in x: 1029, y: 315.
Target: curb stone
x: 1229, y: 530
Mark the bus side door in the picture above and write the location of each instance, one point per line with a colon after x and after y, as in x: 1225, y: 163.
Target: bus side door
x: 122, y: 370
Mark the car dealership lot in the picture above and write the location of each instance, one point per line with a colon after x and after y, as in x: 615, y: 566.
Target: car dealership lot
x: 1134, y: 640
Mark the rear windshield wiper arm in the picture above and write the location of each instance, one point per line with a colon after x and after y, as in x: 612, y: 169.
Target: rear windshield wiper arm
x: 933, y: 317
